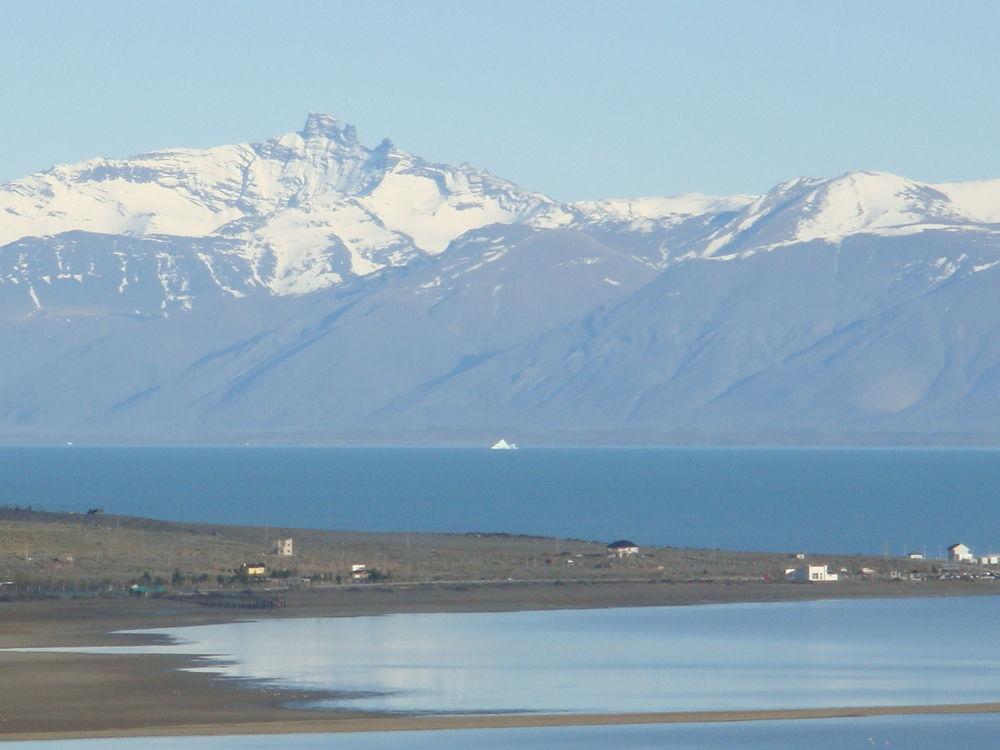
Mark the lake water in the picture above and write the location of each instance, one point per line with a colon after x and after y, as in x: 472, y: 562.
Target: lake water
x: 713, y: 657
x: 893, y: 732
x: 821, y: 500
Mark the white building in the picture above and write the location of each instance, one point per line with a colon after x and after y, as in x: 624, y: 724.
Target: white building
x: 623, y: 548
x: 959, y: 553
x: 990, y: 559
x: 283, y: 547
x: 916, y: 556
x: 811, y: 574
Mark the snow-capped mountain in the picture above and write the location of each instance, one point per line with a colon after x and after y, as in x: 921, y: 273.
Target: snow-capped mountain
x: 805, y: 209
x: 312, y: 287
x: 300, y: 212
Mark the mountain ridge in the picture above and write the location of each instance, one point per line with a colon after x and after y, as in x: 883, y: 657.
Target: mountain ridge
x: 312, y: 288
x: 305, y: 210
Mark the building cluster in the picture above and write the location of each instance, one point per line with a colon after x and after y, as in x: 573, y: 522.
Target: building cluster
x: 803, y: 571
x: 258, y: 571
x: 806, y: 572
x: 959, y: 553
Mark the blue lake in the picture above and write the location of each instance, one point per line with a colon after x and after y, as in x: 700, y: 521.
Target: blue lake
x: 844, y: 500
x: 894, y: 732
x: 716, y: 657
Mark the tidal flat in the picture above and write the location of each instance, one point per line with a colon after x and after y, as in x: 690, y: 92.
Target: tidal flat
x: 109, y: 694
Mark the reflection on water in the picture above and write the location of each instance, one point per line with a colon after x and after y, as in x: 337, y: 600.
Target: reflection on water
x: 900, y: 732
x: 739, y: 656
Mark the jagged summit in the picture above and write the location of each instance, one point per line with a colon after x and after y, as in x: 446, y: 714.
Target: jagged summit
x: 304, y: 210
x: 319, y: 125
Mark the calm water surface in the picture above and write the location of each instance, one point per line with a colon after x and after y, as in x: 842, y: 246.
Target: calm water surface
x: 734, y: 656
x: 902, y: 733
x: 778, y: 499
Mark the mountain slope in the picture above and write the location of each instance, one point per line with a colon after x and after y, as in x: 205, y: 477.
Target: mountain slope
x: 862, y: 341
x: 312, y: 288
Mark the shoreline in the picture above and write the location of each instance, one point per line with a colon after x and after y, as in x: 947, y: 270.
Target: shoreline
x: 396, y: 723
x: 93, y: 621
x: 103, y: 695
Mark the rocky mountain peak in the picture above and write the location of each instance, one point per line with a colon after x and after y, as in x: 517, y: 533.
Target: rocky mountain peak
x: 319, y: 125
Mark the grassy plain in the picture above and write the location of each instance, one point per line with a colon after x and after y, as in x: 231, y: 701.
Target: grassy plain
x: 66, y: 550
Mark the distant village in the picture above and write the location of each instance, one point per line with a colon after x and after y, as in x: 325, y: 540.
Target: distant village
x: 360, y: 572
x: 951, y: 567
x: 960, y: 562
x: 91, y: 554
x: 805, y: 571
x: 259, y: 572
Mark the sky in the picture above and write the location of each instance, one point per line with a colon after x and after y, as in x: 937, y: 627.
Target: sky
x: 578, y: 99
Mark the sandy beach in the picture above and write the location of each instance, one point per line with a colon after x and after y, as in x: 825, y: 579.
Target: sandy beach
x: 116, y: 695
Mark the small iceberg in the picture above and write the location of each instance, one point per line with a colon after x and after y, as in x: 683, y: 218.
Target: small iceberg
x: 503, y: 445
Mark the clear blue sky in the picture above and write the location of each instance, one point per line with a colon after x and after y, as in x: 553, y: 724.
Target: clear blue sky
x: 577, y: 99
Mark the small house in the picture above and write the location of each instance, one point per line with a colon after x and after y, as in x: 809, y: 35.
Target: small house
x: 254, y: 570
x: 916, y: 556
x: 811, y: 574
x: 960, y: 553
x: 359, y: 572
x: 990, y: 559
x: 623, y: 548
x: 283, y: 547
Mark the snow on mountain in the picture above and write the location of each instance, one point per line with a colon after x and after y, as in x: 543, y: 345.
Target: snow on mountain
x: 312, y: 209
x: 307, y: 208
x: 978, y: 201
x: 313, y: 286
x: 804, y: 209
x: 645, y: 213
